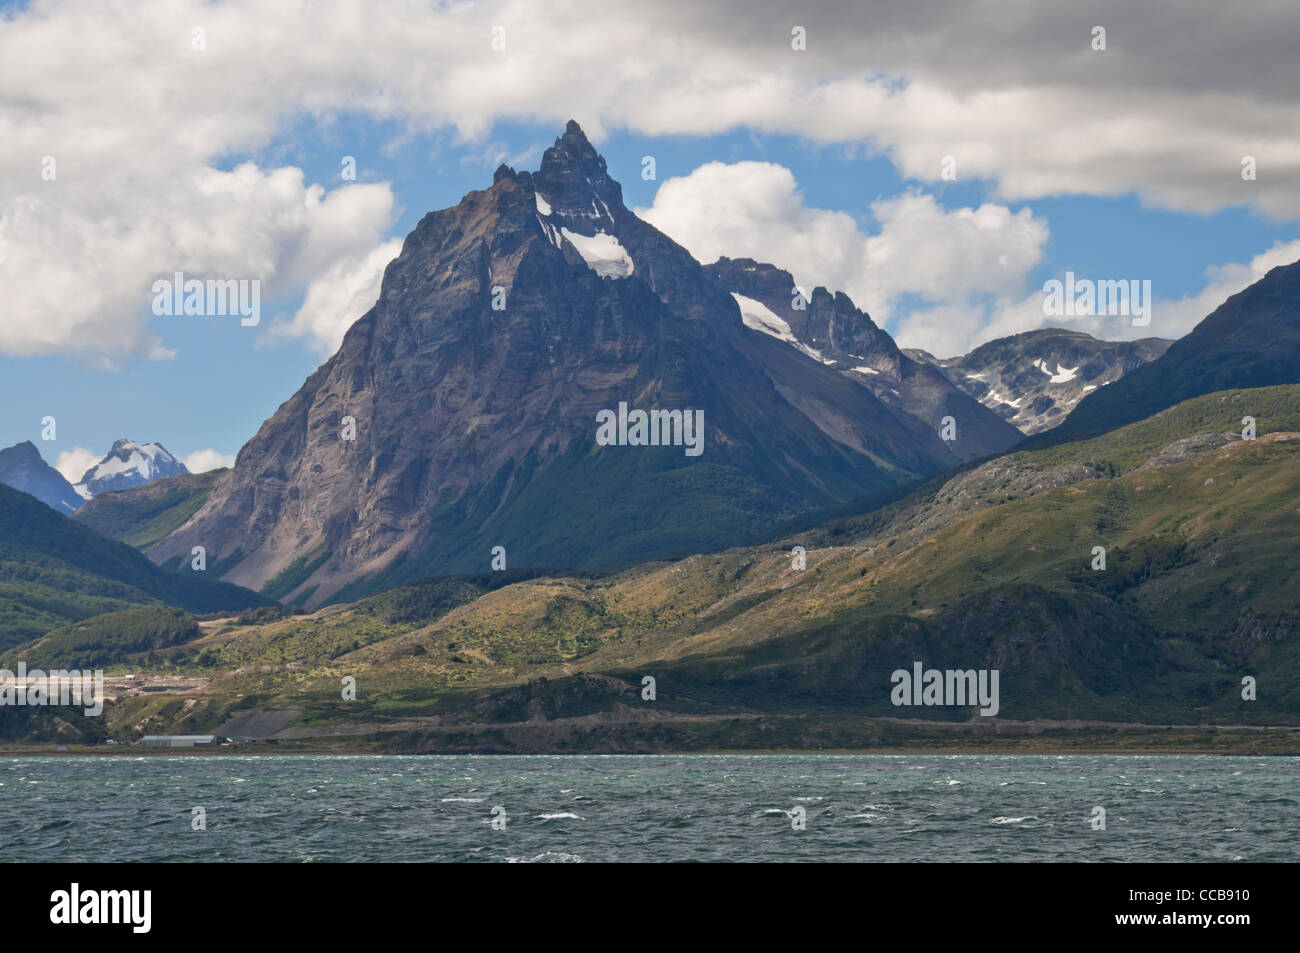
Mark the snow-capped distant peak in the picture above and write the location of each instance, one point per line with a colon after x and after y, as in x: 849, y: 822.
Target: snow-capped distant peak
x: 129, y: 464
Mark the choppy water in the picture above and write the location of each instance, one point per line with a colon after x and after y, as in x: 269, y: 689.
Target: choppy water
x: 651, y: 808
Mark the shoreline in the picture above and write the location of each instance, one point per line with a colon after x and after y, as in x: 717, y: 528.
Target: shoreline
x: 679, y: 735
x: 352, y: 751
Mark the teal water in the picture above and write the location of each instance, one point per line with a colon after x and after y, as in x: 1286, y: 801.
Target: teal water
x: 651, y: 808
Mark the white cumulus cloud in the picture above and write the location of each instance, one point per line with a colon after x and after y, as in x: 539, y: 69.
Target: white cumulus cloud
x: 955, y: 264
x: 139, y: 120
x: 1175, y: 318
x: 79, y: 273
x: 201, y: 461
x: 755, y: 210
x: 338, y: 297
x: 74, y: 463
x: 946, y: 280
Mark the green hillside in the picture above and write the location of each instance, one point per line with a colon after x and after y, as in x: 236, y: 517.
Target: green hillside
x: 108, y: 639
x: 987, y: 569
x: 143, y: 515
x: 54, y: 571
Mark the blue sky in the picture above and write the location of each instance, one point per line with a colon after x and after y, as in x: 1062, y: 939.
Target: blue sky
x: 429, y: 141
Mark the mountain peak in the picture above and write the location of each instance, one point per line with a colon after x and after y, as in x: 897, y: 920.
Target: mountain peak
x: 571, y: 149
x: 1251, y: 340
x: 472, y: 414
x: 125, y: 445
x: 23, y: 468
x: 574, y: 138
x: 129, y: 464
x: 573, y: 177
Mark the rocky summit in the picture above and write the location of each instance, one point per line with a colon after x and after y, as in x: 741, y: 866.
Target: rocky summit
x: 1035, y: 379
x: 831, y: 329
x: 23, y: 468
x: 456, y: 427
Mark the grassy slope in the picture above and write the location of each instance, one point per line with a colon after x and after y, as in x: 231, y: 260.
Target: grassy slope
x: 106, y: 639
x: 54, y: 570
x: 142, y: 516
x: 605, y: 496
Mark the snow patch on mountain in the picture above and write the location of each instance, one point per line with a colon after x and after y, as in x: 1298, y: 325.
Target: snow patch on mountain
x: 1003, y: 399
x: 602, y: 253
x: 1061, y: 375
x: 759, y: 317
x: 552, y: 233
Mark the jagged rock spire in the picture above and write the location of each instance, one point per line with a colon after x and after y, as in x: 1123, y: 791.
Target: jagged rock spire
x: 574, y: 180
